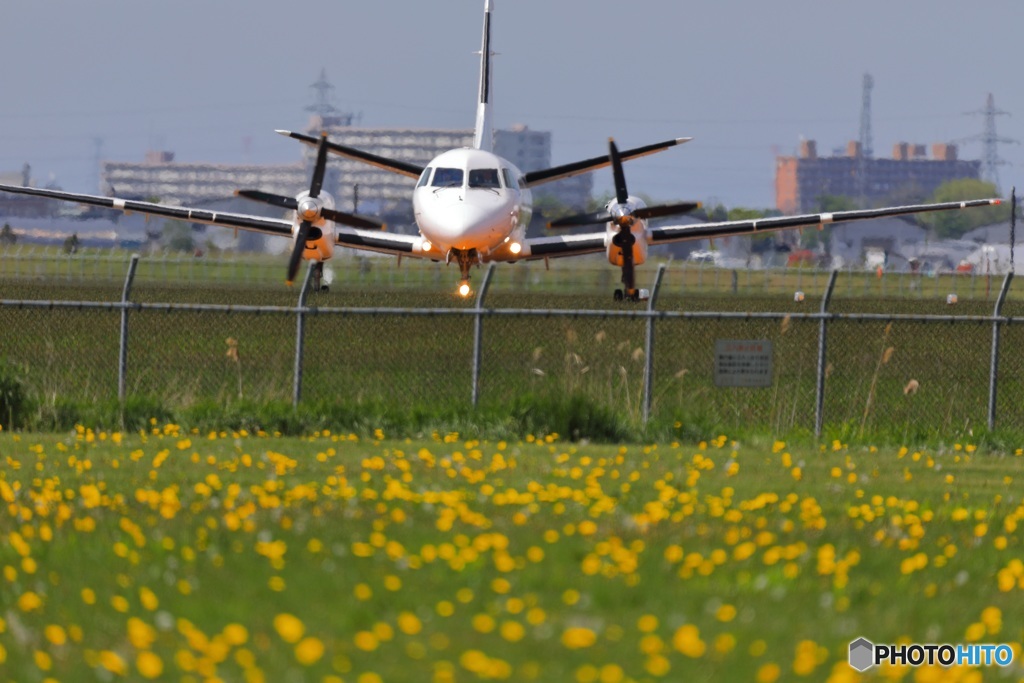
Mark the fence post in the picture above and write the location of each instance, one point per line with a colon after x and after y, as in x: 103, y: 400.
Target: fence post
x: 819, y: 405
x: 300, y: 334
x: 649, y: 350
x: 478, y: 332
x: 993, y: 380
x: 122, y: 358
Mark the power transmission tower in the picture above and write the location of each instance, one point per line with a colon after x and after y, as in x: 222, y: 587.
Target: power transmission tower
x: 330, y: 116
x: 864, y: 152
x: 990, y: 160
x: 866, y: 148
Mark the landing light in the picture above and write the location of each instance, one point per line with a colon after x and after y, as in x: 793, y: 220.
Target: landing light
x: 515, y: 247
x: 426, y: 246
x: 464, y: 289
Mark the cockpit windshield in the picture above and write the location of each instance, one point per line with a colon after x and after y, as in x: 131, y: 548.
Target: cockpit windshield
x: 486, y: 178
x: 447, y: 177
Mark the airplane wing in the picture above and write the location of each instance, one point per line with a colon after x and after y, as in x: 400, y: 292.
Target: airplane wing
x: 749, y: 227
x: 393, y: 165
x: 558, y: 172
x: 594, y: 242
x: 556, y: 247
x: 269, y: 226
x: 382, y: 242
x: 530, y: 179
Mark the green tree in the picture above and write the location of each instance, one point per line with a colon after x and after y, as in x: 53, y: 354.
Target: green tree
x: 832, y: 203
x: 7, y: 235
x: 548, y: 207
x: 953, y: 224
x: 71, y: 244
x: 178, y: 236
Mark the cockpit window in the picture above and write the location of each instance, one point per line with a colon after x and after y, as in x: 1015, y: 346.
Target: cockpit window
x: 424, y: 177
x: 486, y: 178
x: 506, y: 175
x: 447, y: 177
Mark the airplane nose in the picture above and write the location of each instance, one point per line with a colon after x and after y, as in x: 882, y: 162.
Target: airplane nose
x: 467, y: 223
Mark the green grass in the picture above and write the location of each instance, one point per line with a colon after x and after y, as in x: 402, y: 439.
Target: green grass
x: 66, y: 360
x: 447, y: 559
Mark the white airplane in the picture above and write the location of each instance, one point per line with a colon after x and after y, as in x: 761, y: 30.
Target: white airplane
x: 472, y: 206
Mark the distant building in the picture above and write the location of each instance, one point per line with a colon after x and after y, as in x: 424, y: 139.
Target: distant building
x: 354, y: 184
x: 161, y: 178
x: 801, y: 180
x: 385, y: 192
x: 23, y: 205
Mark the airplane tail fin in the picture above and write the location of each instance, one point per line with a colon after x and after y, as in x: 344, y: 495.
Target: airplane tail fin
x: 484, y: 136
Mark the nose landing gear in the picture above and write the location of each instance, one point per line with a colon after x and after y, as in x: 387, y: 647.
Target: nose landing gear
x: 465, y: 258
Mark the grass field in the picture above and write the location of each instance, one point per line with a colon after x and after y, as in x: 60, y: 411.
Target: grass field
x: 588, y: 275
x: 66, y: 360
x: 226, y: 556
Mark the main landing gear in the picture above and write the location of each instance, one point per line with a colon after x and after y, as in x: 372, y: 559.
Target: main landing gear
x: 632, y: 295
x: 318, y: 284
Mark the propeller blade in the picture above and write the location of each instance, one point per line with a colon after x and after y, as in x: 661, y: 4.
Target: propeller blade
x: 666, y: 210
x: 621, y: 193
x: 300, y: 244
x: 352, y: 220
x: 317, y: 183
x: 269, y: 198
x: 581, y: 219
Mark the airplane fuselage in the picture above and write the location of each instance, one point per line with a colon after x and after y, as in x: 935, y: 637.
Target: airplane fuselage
x: 471, y: 201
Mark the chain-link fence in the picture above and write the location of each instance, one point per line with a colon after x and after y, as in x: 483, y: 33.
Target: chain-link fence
x: 835, y: 358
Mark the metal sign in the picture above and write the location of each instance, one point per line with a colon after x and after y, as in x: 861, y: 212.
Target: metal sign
x: 743, y: 363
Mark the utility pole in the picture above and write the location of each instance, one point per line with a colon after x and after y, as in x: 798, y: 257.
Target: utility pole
x: 866, y: 151
x: 96, y: 161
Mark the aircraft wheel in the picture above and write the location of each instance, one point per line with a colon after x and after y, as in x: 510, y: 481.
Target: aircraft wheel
x: 618, y: 295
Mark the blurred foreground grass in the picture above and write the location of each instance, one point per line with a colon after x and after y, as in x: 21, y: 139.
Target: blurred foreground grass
x: 179, y: 555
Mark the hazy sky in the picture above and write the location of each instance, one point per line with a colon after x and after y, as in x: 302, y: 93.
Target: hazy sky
x: 211, y: 79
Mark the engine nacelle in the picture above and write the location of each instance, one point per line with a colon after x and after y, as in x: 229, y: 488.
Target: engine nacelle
x: 320, y: 243
x: 319, y: 246
x: 639, y: 232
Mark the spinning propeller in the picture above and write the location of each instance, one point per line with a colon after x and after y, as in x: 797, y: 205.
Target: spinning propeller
x: 310, y: 209
x: 624, y: 215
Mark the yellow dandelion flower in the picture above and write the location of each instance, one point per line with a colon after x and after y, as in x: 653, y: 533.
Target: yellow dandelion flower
x: 409, y: 623
x: 149, y: 665
x: 483, y: 623
x: 366, y: 641
x: 768, y: 673
x: 289, y: 627
x: 578, y: 637
x: 725, y: 613
x: 687, y: 641
x: 43, y: 660
x: 55, y: 635
x: 512, y: 631
x: 647, y: 623
x: 309, y: 651
x: 29, y: 601
x: 140, y: 634
x: 112, y: 662
x: 236, y: 634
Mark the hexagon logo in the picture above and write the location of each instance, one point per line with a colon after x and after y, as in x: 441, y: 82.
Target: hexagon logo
x: 862, y: 653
